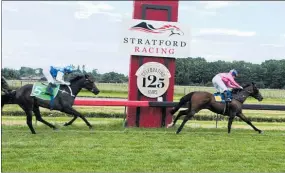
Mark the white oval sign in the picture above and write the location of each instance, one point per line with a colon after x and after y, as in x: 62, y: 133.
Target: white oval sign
x: 153, y: 79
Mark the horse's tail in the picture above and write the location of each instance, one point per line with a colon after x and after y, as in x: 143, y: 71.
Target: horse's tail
x: 183, y: 100
x: 8, y: 98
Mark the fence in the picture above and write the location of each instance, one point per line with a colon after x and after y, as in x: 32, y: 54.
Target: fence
x: 162, y: 105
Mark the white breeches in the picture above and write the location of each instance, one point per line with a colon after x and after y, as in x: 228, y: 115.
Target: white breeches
x: 219, y: 84
x: 59, y: 77
x: 48, y: 76
x: 50, y: 79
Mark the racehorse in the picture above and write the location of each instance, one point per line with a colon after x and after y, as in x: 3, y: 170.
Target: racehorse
x: 205, y: 100
x: 6, y: 97
x: 63, y: 101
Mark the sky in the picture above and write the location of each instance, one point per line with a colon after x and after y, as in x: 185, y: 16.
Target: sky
x: 37, y: 34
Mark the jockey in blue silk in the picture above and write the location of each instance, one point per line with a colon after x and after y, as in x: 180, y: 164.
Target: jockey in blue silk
x: 55, y: 75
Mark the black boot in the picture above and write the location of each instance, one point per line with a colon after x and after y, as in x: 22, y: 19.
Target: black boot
x: 227, y: 96
x: 49, y: 90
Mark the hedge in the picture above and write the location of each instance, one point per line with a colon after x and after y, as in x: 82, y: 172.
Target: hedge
x: 121, y: 115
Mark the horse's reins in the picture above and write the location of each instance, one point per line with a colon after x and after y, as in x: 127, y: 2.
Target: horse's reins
x: 71, y: 94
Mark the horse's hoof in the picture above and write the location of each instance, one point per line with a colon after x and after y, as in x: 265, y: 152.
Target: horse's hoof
x: 261, y: 132
x: 169, y: 125
x: 65, y: 124
x: 91, y: 128
x: 55, y: 129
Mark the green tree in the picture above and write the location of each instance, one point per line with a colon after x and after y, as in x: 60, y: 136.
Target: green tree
x: 10, y: 73
x: 113, y: 77
x: 27, y: 71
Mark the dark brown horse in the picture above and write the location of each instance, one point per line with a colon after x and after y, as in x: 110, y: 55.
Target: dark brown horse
x: 205, y: 100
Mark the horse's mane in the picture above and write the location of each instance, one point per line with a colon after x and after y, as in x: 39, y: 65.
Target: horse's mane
x: 76, y: 76
x: 246, y: 85
x: 237, y: 90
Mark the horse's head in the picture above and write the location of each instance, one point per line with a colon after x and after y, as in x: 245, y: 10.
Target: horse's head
x: 86, y: 81
x: 176, y: 30
x: 253, y: 91
x: 173, y: 29
x: 90, y: 85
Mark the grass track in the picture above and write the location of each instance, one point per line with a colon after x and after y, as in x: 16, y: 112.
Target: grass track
x: 112, y: 148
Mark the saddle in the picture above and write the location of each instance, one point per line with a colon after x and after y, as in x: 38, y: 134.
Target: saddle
x: 220, y: 97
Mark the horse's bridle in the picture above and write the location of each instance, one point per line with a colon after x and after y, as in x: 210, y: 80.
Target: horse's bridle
x: 243, y: 96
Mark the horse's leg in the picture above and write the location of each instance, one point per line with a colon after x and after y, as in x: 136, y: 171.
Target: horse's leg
x: 29, y: 120
x: 70, y: 110
x: 2, y: 105
x: 3, y: 100
x: 183, y: 112
x: 190, y: 114
x: 245, y: 119
x: 29, y: 113
x: 71, y: 121
x: 231, y: 118
x: 38, y: 115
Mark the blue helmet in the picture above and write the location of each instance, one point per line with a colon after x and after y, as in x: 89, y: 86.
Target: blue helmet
x: 68, y: 69
x: 234, y: 72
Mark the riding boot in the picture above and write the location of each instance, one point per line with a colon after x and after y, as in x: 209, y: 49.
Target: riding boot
x: 227, y: 96
x: 49, y: 90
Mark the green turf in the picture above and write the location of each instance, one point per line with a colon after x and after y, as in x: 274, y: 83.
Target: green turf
x: 112, y: 148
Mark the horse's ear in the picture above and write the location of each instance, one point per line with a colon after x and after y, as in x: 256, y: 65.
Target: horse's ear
x: 253, y: 83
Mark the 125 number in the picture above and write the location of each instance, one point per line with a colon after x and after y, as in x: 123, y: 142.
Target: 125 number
x: 155, y: 82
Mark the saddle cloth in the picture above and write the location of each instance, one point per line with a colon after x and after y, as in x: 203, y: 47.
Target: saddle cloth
x: 39, y: 91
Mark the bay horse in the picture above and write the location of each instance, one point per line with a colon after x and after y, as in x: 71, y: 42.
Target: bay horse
x: 63, y: 101
x: 199, y: 100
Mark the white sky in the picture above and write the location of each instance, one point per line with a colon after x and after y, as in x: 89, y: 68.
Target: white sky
x: 36, y: 34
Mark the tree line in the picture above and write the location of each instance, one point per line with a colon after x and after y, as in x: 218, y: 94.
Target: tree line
x: 190, y: 71
x: 32, y: 73
x: 199, y: 72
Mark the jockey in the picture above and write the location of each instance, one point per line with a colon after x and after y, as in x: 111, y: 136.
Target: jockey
x: 55, y: 75
x: 224, y: 80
